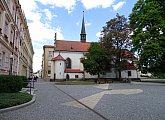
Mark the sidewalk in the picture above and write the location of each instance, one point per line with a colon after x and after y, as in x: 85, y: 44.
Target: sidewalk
x: 153, y: 80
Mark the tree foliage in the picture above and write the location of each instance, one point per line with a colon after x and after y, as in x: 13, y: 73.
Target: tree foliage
x: 115, y: 38
x: 147, y: 21
x: 95, y: 61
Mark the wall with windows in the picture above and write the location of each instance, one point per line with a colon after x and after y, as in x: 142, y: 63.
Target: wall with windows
x: 73, y: 57
x: 48, y: 51
x: 12, y: 41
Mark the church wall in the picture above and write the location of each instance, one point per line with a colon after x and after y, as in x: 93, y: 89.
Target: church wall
x: 75, y: 58
x: 87, y: 75
x: 73, y: 75
x: 59, y: 69
x: 133, y: 73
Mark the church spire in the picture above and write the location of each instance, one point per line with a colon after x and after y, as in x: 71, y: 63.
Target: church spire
x: 83, y: 33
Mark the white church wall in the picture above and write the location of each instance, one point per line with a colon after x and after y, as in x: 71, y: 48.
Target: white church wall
x: 74, y: 56
x: 73, y: 75
x: 134, y: 74
x: 87, y: 75
x: 60, y: 66
x: 111, y: 74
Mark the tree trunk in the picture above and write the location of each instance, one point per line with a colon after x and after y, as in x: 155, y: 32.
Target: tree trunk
x: 98, y: 81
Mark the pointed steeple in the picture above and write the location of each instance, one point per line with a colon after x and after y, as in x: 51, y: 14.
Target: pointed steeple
x: 83, y: 33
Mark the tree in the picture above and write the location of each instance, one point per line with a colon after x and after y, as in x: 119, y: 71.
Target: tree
x: 147, y: 21
x: 115, y: 38
x: 95, y: 61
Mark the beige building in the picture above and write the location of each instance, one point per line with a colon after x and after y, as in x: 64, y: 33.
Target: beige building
x: 48, y: 51
x: 16, y: 50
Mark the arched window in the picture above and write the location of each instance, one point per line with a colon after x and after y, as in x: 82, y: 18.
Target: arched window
x: 68, y: 63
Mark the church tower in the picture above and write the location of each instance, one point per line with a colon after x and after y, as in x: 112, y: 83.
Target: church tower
x: 83, y: 33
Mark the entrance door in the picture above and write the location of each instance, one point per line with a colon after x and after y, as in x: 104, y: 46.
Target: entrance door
x: 67, y: 77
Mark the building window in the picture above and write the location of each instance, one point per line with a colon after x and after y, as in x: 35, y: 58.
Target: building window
x: 8, y: 2
x: 6, y: 28
x: 13, y: 13
x: 129, y: 73
x: 0, y: 16
x: 50, y: 54
x: 76, y: 76
x: 11, y: 36
x: 68, y: 63
x: 3, y: 58
x: 49, y: 72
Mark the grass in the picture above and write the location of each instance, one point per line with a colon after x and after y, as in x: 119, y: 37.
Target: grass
x: 12, y: 99
x: 76, y: 83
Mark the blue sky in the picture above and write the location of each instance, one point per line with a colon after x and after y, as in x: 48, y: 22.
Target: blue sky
x: 45, y: 17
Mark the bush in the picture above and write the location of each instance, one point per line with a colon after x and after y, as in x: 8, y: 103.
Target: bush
x: 25, y: 80
x: 10, y: 83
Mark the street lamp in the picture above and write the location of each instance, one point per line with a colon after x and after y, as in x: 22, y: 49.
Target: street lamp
x: 11, y: 64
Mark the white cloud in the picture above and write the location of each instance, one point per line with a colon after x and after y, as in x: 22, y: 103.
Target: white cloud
x: 89, y: 4
x: 118, y: 5
x: 48, y: 14
x: 88, y: 24
x: 39, y: 32
x: 98, y: 34
x: 67, y: 4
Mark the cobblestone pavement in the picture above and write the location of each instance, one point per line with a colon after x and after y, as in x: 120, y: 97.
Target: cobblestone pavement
x: 117, y: 101
x: 123, y: 101
x: 48, y: 106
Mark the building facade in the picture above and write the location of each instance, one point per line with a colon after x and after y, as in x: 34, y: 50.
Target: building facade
x: 16, y: 50
x: 48, y: 51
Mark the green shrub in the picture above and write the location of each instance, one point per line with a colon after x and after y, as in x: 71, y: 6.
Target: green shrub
x: 10, y: 83
x: 25, y: 80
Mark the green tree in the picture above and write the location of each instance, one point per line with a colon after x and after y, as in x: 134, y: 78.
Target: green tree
x: 147, y: 21
x: 115, y: 38
x: 95, y: 61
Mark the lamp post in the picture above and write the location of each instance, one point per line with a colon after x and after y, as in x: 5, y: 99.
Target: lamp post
x: 11, y: 64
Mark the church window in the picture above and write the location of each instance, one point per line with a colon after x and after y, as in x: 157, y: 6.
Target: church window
x: 76, y: 76
x: 129, y: 73
x: 68, y: 63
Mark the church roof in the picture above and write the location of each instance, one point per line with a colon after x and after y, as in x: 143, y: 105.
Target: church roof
x: 83, y: 26
x: 73, y: 46
x: 59, y: 57
x: 128, y: 66
x: 127, y: 54
x: 73, y: 71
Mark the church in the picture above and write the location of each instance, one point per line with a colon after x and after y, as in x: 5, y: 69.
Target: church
x: 66, y: 63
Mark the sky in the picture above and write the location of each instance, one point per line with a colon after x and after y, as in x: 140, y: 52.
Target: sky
x: 64, y: 17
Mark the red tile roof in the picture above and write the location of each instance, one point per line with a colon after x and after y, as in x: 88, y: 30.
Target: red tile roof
x: 48, y: 46
x: 127, y: 54
x: 128, y: 66
x: 59, y: 57
x: 73, y: 71
x: 74, y: 46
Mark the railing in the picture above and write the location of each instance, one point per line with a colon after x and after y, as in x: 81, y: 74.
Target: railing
x: 30, y: 85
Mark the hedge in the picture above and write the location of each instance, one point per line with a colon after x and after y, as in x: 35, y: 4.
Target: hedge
x: 11, y: 83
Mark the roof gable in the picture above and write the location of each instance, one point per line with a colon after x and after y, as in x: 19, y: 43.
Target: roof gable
x: 59, y: 57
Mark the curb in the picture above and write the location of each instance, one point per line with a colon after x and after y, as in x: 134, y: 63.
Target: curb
x: 19, y: 106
